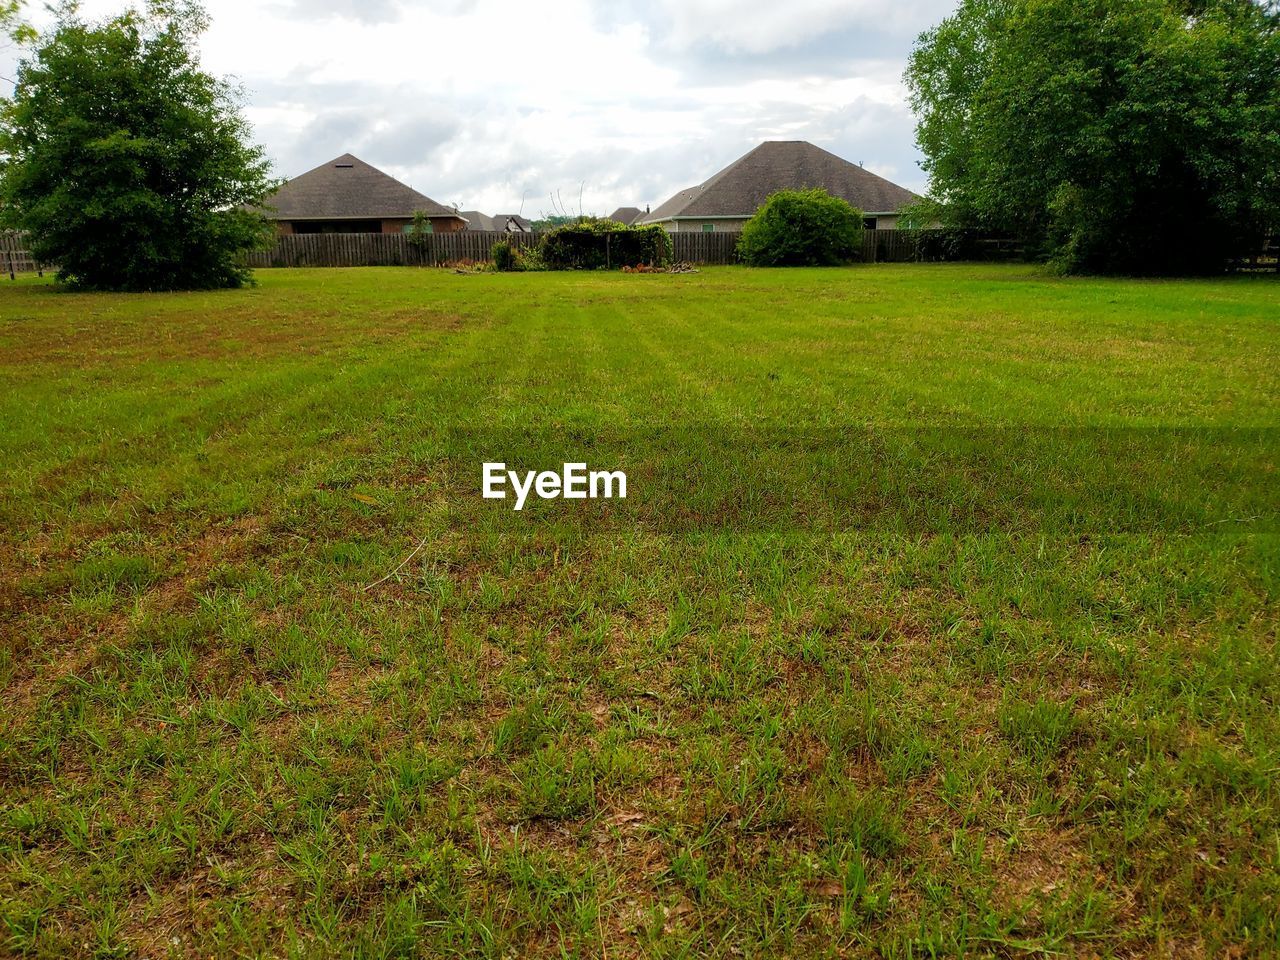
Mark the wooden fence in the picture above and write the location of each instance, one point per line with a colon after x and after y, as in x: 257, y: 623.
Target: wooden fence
x: 1265, y: 261
x: 14, y: 256
x: 706, y: 248
x: 395, y: 249
x: 888, y: 246
x: 383, y: 249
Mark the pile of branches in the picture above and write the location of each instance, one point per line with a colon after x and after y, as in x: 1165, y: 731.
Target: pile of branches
x: 681, y: 267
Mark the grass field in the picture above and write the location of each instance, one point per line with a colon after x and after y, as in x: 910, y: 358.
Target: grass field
x: 276, y: 681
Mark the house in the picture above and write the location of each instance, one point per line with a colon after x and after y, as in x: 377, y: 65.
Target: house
x: 628, y: 215
x: 347, y: 195
x: 477, y: 220
x: 502, y: 223
x: 729, y: 199
x: 512, y: 223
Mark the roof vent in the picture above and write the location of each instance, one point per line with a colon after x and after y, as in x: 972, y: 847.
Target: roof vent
x: 344, y: 166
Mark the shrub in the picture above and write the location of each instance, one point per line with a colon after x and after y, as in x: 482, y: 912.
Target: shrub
x: 129, y: 166
x: 504, y: 256
x: 420, y: 233
x: 599, y: 244
x: 528, y: 258
x: 947, y: 245
x: 802, y: 228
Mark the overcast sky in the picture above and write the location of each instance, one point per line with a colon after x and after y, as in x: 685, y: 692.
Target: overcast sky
x: 489, y: 104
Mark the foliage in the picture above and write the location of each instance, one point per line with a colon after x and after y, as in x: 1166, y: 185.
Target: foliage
x: 504, y: 256
x: 11, y: 23
x: 596, y: 244
x: 419, y: 230
x: 528, y: 258
x: 951, y: 244
x: 802, y: 228
x: 509, y: 258
x: 1112, y: 135
x: 549, y: 221
x: 128, y: 166
x: 924, y: 213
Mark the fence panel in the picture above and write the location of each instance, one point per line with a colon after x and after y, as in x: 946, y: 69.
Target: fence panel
x: 705, y: 248
x: 437, y: 249
x: 1264, y: 261
x: 14, y: 256
x: 889, y: 246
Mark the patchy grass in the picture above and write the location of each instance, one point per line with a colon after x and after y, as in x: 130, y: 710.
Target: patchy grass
x: 698, y: 723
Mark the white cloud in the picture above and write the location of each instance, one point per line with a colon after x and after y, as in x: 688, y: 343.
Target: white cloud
x: 366, y: 11
x: 761, y: 26
x: 488, y: 102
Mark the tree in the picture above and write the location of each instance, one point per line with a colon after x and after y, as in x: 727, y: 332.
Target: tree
x: 11, y: 23
x: 126, y: 164
x: 1138, y: 136
x: 548, y: 221
x: 802, y: 228
x: 420, y: 233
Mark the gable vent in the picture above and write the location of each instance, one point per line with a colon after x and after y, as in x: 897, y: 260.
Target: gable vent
x: 344, y: 166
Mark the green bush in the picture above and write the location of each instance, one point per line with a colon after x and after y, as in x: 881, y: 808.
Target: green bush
x: 601, y: 244
x: 802, y: 228
x: 125, y: 163
x: 504, y: 256
x: 528, y: 258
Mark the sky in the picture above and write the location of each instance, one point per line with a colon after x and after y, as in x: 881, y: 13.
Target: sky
x: 546, y: 106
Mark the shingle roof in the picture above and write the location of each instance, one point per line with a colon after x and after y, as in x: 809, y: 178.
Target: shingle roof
x: 627, y: 215
x: 502, y: 222
x: 477, y: 220
x: 740, y: 188
x: 511, y: 222
x: 348, y: 188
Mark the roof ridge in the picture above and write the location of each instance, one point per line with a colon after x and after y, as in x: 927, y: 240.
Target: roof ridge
x: 739, y: 189
x: 347, y: 187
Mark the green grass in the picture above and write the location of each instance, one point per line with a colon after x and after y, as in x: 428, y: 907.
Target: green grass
x: 922, y: 710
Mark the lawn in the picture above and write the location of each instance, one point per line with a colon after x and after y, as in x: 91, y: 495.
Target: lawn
x: 940, y: 619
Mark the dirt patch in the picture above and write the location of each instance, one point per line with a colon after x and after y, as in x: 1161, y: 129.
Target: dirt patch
x: 78, y: 650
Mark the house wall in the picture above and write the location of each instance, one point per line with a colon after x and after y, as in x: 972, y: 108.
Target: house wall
x: 717, y: 226
x: 889, y: 222
x: 447, y: 224
x: 285, y: 228
x: 695, y: 226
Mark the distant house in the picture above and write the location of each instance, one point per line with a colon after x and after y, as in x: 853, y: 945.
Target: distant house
x: 477, y: 220
x: 627, y: 215
x: 512, y: 223
x: 347, y: 195
x: 730, y: 198
x: 502, y: 223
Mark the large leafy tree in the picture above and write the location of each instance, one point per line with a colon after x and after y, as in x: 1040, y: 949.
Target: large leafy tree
x: 1116, y: 135
x: 127, y: 165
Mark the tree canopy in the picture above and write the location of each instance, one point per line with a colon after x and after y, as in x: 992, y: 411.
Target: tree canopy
x: 1137, y: 136
x: 802, y: 228
x: 128, y: 165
